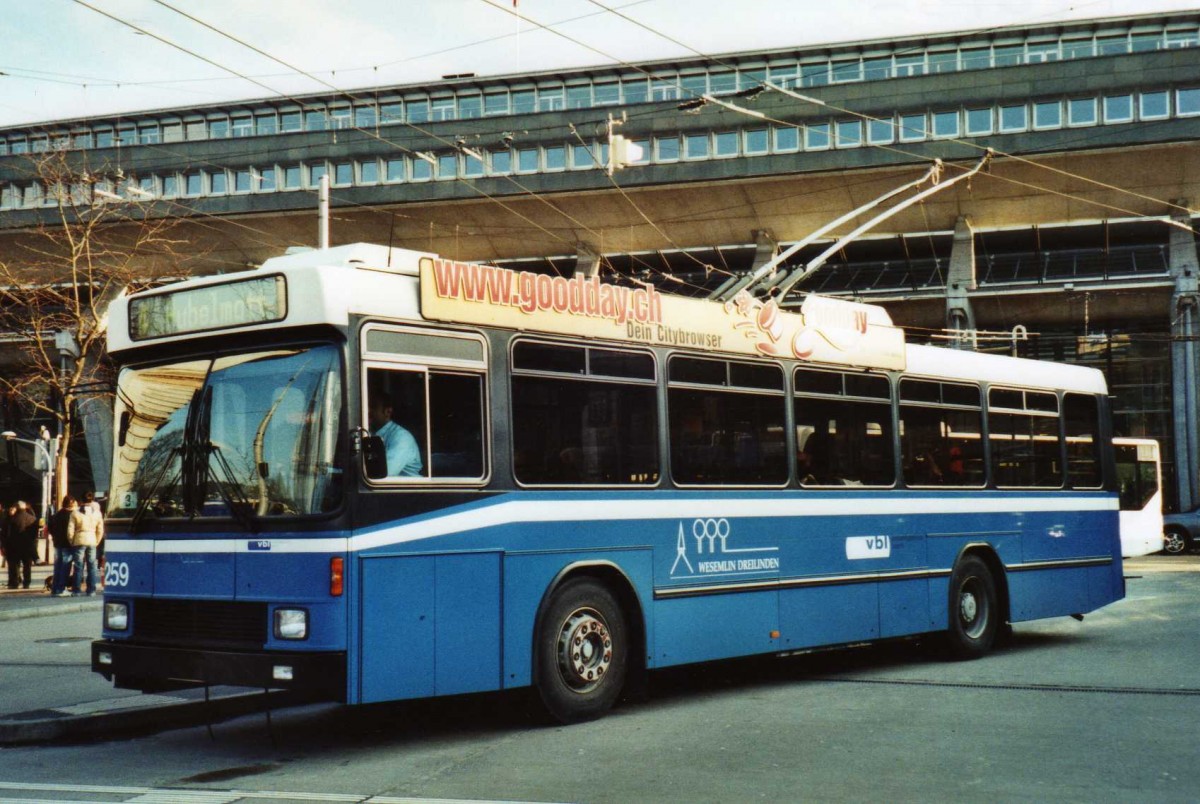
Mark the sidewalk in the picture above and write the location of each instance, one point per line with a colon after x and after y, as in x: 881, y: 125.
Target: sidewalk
x: 49, y: 693
x: 35, y: 601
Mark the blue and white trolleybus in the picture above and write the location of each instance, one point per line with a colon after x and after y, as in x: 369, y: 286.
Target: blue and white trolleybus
x: 373, y: 474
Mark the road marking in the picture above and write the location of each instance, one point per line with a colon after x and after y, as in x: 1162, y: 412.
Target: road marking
x: 197, y: 795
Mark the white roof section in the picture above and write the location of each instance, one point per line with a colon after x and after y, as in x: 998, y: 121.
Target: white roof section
x: 329, y: 286
x: 958, y: 364
x: 323, y: 287
x: 355, y: 255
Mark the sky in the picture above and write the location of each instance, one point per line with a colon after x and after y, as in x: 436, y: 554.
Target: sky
x: 65, y: 59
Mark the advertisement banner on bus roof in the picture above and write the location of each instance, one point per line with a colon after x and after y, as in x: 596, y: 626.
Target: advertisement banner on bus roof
x: 824, y: 330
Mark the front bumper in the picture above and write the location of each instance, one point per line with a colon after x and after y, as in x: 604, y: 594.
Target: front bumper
x: 153, y: 668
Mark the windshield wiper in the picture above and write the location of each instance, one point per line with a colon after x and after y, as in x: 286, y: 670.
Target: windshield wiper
x: 229, y: 489
x: 204, y: 450
x: 152, y: 489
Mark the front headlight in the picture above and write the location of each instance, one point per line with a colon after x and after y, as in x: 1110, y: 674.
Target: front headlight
x: 291, y: 624
x: 116, y: 616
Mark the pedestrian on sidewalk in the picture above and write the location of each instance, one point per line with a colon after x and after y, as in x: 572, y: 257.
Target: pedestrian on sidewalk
x: 4, y: 514
x: 21, y: 545
x: 64, y: 554
x: 85, y: 530
x: 90, y: 503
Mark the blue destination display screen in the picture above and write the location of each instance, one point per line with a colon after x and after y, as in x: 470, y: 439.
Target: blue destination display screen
x: 235, y: 304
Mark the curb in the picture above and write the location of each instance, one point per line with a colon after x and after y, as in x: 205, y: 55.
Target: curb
x: 21, y: 613
x: 132, y: 715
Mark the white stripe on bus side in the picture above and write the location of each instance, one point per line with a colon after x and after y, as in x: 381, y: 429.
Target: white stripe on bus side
x: 522, y: 511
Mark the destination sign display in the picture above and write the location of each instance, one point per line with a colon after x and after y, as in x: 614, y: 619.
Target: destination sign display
x: 232, y: 304
x: 824, y: 330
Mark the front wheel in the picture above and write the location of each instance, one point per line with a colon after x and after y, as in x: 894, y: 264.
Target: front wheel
x: 974, y: 609
x: 582, y: 651
x: 1175, y: 542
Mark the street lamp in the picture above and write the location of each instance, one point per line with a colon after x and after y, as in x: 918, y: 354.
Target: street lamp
x: 47, y: 467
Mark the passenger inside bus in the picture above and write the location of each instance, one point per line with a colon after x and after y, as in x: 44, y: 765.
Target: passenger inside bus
x: 813, y: 461
x: 403, y: 454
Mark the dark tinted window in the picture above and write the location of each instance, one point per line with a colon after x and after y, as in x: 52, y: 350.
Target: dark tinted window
x: 701, y: 372
x: 844, y: 442
x: 727, y: 437
x: 755, y: 375
x: 583, y: 432
x: 1137, y: 479
x: 532, y: 356
x: 610, y: 363
x: 1025, y: 445
x: 818, y: 382
x: 941, y: 446
x: 1082, y: 420
x: 868, y: 385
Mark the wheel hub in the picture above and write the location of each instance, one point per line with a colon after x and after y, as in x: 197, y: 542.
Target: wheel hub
x: 584, y: 650
x: 968, y: 607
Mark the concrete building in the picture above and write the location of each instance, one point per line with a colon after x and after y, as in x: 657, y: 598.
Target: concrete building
x: 1075, y: 243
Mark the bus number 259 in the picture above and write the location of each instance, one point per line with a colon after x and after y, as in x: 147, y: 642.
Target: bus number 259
x: 116, y: 574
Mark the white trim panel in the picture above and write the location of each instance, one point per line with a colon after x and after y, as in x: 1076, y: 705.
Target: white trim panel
x: 525, y: 511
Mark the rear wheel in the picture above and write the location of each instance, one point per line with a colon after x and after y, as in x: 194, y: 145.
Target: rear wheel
x: 974, y: 609
x: 1175, y: 541
x: 582, y: 651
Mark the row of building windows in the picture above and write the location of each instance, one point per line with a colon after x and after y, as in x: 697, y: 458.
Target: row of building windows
x: 759, y: 140
x: 424, y: 107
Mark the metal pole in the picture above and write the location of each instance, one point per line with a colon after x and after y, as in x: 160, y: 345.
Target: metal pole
x: 47, y: 487
x: 323, y: 212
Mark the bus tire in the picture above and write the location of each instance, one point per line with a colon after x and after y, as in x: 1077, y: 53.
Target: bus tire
x: 582, y: 651
x: 974, y: 609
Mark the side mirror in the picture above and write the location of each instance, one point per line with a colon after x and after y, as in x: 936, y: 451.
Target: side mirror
x: 374, y: 457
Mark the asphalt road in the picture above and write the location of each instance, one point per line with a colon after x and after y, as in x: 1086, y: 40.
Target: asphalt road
x: 1103, y: 710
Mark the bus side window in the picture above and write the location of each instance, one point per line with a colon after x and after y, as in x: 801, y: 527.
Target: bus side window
x: 843, y: 429
x: 441, y: 438
x: 940, y: 425
x: 1082, y: 420
x: 455, y: 425
x: 396, y: 415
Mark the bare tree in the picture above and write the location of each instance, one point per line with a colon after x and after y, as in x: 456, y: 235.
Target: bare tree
x: 95, y: 237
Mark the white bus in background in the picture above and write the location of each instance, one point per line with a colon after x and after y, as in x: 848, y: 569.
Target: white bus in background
x: 1139, y: 476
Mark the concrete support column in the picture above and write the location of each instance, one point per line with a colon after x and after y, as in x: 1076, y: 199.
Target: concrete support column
x: 587, y: 259
x: 96, y: 413
x: 766, y: 247
x: 1185, y: 363
x: 960, y: 281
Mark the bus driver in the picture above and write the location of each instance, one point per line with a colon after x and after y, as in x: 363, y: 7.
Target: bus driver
x: 403, y: 454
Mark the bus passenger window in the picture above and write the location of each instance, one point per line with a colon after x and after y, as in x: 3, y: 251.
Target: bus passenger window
x: 1082, y: 419
x: 1023, y: 433
x: 583, y: 415
x: 843, y: 429
x: 940, y: 425
x: 455, y: 425
x: 438, y: 438
x: 394, y: 397
x: 727, y: 423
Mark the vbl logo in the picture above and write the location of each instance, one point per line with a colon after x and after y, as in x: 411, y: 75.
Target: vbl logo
x: 858, y: 547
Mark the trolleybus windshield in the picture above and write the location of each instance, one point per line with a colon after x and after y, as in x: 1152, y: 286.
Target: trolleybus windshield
x: 244, y: 436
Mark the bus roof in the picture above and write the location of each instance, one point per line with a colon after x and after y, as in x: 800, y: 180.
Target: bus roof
x: 961, y: 364
x: 329, y: 286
